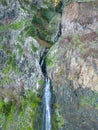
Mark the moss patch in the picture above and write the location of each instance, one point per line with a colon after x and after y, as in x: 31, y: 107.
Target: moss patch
x: 23, y: 111
x: 91, y: 101
x: 47, y: 14
x: 4, y: 2
x: 49, y: 61
x: 86, y: 44
x: 51, y: 56
x: 14, y: 26
x: 41, y: 82
x: 30, y: 31
x: 42, y: 22
x: 57, y: 119
x: 34, y: 49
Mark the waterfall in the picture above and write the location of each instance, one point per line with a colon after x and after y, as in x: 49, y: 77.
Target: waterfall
x: 46, y: 102
x: 46, y: 99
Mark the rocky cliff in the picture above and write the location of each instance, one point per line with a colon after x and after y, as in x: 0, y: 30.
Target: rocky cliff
x: 26, y: 28
x: 72, y: 64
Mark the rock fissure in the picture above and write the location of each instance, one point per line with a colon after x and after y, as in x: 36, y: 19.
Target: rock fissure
x: 46, y: 120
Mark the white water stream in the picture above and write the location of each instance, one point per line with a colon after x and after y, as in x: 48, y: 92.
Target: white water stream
x: 46, y: 100
x: 46, y: 115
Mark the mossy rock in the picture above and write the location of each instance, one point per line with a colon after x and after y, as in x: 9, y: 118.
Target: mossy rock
x: 39, y: 22
x: 51, y: 56
x: 49, y: 61
x: 34, y: 48
x: 90, y: 101
x: 44, y: 35
x: 14, y: 26
x: 47, y: 14
x: 24, y: 114
x: 4, y: 2
x: 30, y: 31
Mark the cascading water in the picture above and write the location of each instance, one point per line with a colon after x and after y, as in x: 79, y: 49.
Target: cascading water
x: 47, y: 96
x: 46, y: 102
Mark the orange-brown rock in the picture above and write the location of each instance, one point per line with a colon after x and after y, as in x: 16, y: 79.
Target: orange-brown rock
x: 43, y: 43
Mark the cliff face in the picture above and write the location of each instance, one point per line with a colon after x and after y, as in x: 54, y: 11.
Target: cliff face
x: 26, y: 27
x: 72, y: 64
x: 20, y: 53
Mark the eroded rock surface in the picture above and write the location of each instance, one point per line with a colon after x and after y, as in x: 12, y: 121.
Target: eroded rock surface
x: 23, y: 67
x: 72, y: 64
x: 21, y: 22
x: 80, y: 18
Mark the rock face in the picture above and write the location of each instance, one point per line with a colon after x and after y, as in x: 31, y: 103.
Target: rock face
x: 80, y: 18
x: 24, y: 69
x: 20, y: 21
x: 26, y: 28
x: 72, y: 64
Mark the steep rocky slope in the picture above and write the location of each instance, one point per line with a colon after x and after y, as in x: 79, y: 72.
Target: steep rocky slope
x: 26, y: 28
x: 72, y: 64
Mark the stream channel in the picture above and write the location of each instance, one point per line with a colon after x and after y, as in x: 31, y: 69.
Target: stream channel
x: 46, y: 119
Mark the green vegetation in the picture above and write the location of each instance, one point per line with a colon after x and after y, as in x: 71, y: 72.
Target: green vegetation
x: 34, y: 49
x: 90, y: 101
x: 51, y: 57
x: 41, y: 82
x: 79, y: 44
x: 49, y: 61
x: 39, y: 28
x: 23, y: 111
x: 57, y: 119
x: 14, y: 26
x: 15, y: 107
x: 45, y: 35
x: 18, y: 25
x: 9, y: 66
x: 19, y: 48
x: 47, y: 14
x: 4, y: 2
x: 41, y: 24
x: 38, y: 22
x: 30, y: 31
x: 84, y: 45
